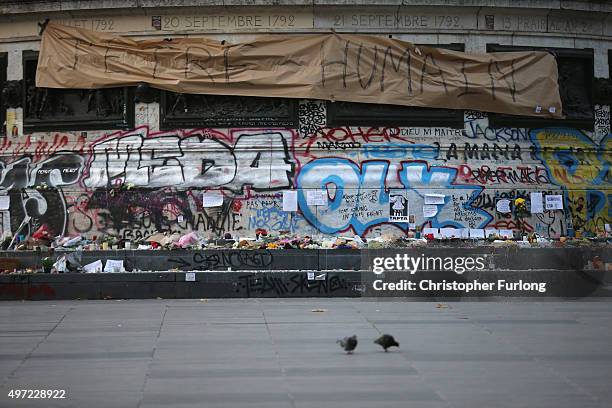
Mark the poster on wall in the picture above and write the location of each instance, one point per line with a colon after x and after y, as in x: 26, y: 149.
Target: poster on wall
x: 554, y: 202
x: 537, y: 203
x: 212, y: 199
x: 316, y: 197
x: 5, y: 223
x: 290, y: 200
x: 503, y: 206
x: 430, y: 210
x: 14, y: 122
x: 412, y: 222
x: 5, y: 202
x: 398, y: 206
x: 434, y: 199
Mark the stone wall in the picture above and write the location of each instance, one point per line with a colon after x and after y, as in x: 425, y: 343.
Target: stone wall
x: 168, y: 171
x: 164, y: 175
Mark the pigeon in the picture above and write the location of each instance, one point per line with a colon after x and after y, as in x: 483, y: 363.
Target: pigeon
x: 386, y: 341
x: 348, y: 343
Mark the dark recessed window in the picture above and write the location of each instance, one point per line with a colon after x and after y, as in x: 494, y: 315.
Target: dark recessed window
x: 3, y: 64
x: 194, y: 110
x: 47, y: 109
x: 575, y: 87
x: 367, y: 114
x: 602, y: 88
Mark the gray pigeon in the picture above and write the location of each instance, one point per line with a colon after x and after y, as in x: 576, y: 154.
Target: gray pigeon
x: 386, y: 341
x: 348, y: 343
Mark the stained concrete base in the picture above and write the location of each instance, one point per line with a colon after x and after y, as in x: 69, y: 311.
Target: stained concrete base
x: 280, y: 353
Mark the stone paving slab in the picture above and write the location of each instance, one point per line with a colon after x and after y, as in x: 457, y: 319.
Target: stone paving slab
x: 279, y: 353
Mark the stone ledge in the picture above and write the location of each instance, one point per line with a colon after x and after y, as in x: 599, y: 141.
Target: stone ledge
x: 41, y: 6
x: 496, y: 257
x: 304, y: 273
x: 280, y: 284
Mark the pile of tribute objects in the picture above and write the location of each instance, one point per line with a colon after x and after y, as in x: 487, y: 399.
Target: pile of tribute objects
x: 43, y: 239
x: 67, y: 249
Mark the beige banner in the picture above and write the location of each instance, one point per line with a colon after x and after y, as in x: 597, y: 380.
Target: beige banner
x: 340, y: 67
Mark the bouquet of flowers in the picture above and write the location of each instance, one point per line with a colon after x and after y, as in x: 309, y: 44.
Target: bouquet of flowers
x: 521, y: 212
x: 520, y: 208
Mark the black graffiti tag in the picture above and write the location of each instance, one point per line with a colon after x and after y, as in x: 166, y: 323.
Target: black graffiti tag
x: 222, y: 260
x: 293, y: 285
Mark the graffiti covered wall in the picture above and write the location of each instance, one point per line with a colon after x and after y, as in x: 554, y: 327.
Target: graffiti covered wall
x: 134, y: 183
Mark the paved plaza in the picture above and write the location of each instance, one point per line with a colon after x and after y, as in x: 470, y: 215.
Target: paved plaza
x: 270, y: 353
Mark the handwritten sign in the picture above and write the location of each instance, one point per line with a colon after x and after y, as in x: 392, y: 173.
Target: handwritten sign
x: 491, y: 231
x: 477, y: 233
x: 94, y: 267
x: 503, y: 206
x: 554, y: 202
x: 114, y: 266
x: 430, y: 211
x: 537, y: 203
x: 212, y: 199
x: 290, y: 200
x: 326, y: 66
x: 5, y: 202
x: 434, y: 198
x: 316, y: 197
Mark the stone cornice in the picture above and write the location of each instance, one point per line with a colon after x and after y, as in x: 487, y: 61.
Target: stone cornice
x: 20, y: 7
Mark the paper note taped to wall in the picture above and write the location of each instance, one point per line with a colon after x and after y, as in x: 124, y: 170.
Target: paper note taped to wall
x: 503, y: 206
x: 430, y: 210
x: 434, y: 198
x: 14, y: 122
x: 212, y: 199
x: 316, y: 197
x: 399, y: 206
x: 537, y: 203
x: 5, y: 202
x: 554, y: 202
x: 290, y: 200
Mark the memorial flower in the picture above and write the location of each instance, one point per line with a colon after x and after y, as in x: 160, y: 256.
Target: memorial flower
x: 520, y: 208
x: 521, y: 212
